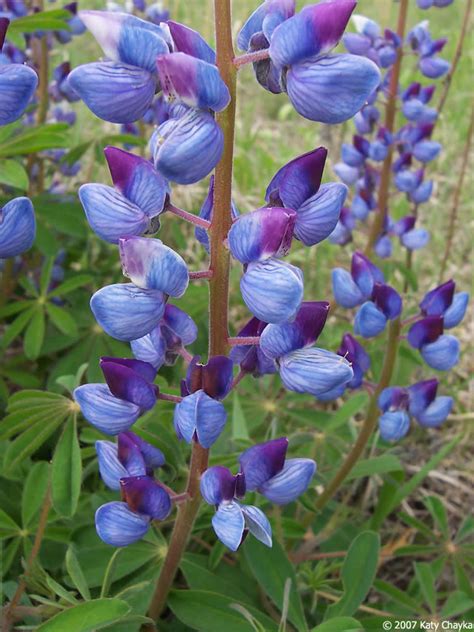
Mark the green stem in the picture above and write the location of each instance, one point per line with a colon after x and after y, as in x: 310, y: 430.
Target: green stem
x: 370, y: 421
x: 218, y: 302
x: 390, y: 112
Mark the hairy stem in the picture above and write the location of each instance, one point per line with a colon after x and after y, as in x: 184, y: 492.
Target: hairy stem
x: 43, y: 521
x: 390, y: 112
x: 456, y: 198
x: 189, y: 217
x: 457, y: 55
x: 243, y: 340
x: 370, y: 421
x: 250, y: 58
x: 218, y: 300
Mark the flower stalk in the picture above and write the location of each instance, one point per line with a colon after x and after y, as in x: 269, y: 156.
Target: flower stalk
x: 218, y: 301
x: 390, y: 113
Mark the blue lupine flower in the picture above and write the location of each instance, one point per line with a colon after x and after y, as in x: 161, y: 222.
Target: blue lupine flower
x: 410, y: 237
x: 133, y: 205
x: 151, y: 265
x: 302, y: 368
x: 322, y: 87
x: 200, y: 418
x: 369, y: 42
x: 429, y: 63
x: 17, y: 227
x: 127, y: 312
x: 438, y: 350
x: 272, y: 290
x: 414, y: 103
x: 162, y: 345
x: 351, y: 289
x: 263, y: 468
x: 214, y: 378
x: 442, y: 301
x: 419, y: 401
x: 114, y: 407
x: 297, y: 186
x: 251, y: 358
x: 130, y: 456
x: 17, y: 85
x: 427, y: 4
x: 358, y: 357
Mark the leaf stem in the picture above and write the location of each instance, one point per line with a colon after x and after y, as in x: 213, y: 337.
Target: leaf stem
x: 218, y: 301
x: 250, y: 58
x: 243, y: 340
x: 189, y: 217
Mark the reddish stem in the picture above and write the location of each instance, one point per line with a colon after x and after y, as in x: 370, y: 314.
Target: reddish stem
x: 243, y: 340
x: 189, y: 217
x: 250, y: 58
x: 201, y: 274
x: 170, y: 398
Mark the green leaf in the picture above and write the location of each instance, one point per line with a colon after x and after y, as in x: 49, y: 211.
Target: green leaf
x: 34, y: 335
x: 61, y: 591
x: 55, y: 20
x: 426, y: 581
x: 271, y: 568
x: 17, y: 326
x: 13, y: 174
x: 438, y: 511
x: 109, y: 573
x: 347, y: 411
x: 28, y: 442
x: 358, y: 573
x: 70, y: 285
x: 399, y: 596
x: 339, y: 624
x: 8, y: 526
x: 456, y: 604
x: 77, y: 576
x: 66, y: 471
x: 210, y: 612
x: 34, y: 492
x: 239, y: 423
x: 51, y: 136
x: 87, y: 617
x: 375, y: 465
x: 62, y: 319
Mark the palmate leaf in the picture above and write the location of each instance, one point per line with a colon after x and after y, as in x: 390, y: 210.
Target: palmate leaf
x: 33, y: 416
x: 67, y: 471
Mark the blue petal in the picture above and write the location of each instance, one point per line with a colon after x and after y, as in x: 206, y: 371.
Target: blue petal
x: 200, y: 415
x: 456, y: 311
x: 349, y: 175
x: 151, y: 265
x: 110, y: 214
x: 151, y: 348
x: 138, y: 180
x: 442, y: 354
x: 332, y: 89
x: 262, y: 461
x: 272, y: 290
x: 406, y: 181
x: 257, y: 523
x: 125, y: 382
x: 422, y: 193
x: 17, y: 86
x: 415, y: 239
x: 217, y: 484
x: 318, y: 216
x: 421, y: 395
x: 334, y: 393
x: 180, y: 323
x: 103, y: 410
x: 436, y: 413
x: 110, y: 468
x: 359, y: 207
x: 314, y: 371
x: 126, y: 38
x: 117, y: 525
x: 153, y: 457
x: 378, y: 151
x: 290, y: 483
x: 228, y: 523
x: 426, y: 150
x: 114, y: 91
x: 369, y: 320
x: 187, y: 149
x: 189, y: 41
x: 351, y: 156
x: 434, y: 67
x: 127, y: 312
x: 346, y: 292
x: 17, y: 227
x: 252, y: 25
x: 394, y: 425
x: 130, y: 454
x: 383, y: 247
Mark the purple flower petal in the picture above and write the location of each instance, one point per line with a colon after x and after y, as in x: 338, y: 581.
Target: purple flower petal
x: 191, y: 42
x: 137, y: 180
x: 387, y: 300
x: 315, y: 30
x: 153, y: 457
x: 4, y: 22
x: 103, y: 410
x: 421, y: 395
x: 146, y: 496
x: 263, y: 461
x: 290, y: 482
x: 127, y: 384
x: 117, y: 525
x: 298, y: 180
x: 365, y: 273
x: 261, y: 234
x: 130, y: 455
x: 436, y: 301
x: 217, y: 484
x: 425, y: 330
